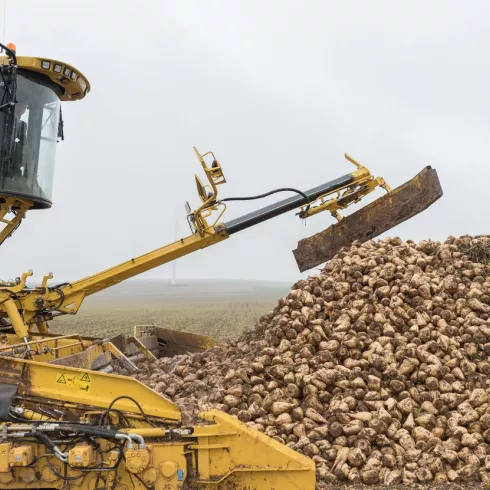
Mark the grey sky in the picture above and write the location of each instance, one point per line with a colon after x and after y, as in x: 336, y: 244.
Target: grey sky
x: 279, y: 90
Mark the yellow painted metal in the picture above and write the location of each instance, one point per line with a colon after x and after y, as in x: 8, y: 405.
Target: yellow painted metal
x: 4, y: 457
x: 71, y: 89
x: 76, y: 351
x: 120, y: 356
x: 126, y: 270
x: 87, y: 388
x: 81, y: 456
x: 22, y: 455
x: 152, y: 432
x: 238, y: 459
x: 75, y: 292
x: 140, y: 346
x: 168, y: 460
x: 350, y: 196
x: 208, y: 194
x: 17, y: 207
x: 221, y: 453
x: 362, y: 184
x: 42, y: 327
x: 15, y: 318
x: 48, y: 348
x: 32, y: 415
x: 137, y: 459
x: 16, y: 286
x: 230, y: 451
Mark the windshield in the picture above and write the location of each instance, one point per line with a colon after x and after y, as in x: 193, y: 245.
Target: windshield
x: 28, y: 168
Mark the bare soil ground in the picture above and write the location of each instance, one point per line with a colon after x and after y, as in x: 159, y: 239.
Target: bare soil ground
x: 217, y: 308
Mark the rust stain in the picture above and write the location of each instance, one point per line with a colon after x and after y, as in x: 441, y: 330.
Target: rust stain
x: 401, y: 204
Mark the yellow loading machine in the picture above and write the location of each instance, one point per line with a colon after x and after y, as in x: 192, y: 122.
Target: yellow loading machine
x: 64, y: 421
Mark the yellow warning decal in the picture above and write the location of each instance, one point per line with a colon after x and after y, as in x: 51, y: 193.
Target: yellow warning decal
x: 76, y: 382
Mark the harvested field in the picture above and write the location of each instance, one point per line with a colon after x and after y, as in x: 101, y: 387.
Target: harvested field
x: 376, y: 368
x: 220, y: 309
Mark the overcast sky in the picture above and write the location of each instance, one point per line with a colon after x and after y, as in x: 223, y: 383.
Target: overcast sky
x: 279, y: 90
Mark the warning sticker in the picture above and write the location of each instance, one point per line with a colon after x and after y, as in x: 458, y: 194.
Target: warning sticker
x: 78, y: 382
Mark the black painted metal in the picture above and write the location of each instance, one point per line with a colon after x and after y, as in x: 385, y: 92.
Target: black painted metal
x: 7, y: 393
x: 281, y: 207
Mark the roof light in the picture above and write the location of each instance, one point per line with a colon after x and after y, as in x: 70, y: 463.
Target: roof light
x: 83, y: 84
x: 73, y: 75
x: 12, y: 47
x: 66, y: 72
x: 57, y: 68
x: 46, y: 65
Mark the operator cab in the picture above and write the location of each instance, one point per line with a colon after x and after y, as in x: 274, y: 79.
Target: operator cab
x: 31, y: 91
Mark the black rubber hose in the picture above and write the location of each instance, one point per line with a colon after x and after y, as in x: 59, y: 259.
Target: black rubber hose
x: 126, y: 397
x: 275, y: 191
x: 44, y: 439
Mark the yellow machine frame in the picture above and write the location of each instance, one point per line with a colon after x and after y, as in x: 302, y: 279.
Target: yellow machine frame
x: 223, y: 452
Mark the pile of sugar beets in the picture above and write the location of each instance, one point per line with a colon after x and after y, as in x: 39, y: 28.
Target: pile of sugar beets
x: 377, y: 368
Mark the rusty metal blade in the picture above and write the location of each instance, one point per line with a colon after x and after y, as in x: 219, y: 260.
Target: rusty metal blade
x: 390, y: 210
x: 175, y: 343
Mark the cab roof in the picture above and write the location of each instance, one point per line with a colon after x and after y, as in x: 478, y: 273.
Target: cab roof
x: 74, y: 85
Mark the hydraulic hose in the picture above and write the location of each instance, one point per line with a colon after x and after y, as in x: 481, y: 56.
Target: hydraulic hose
x: 275, y: 191
x: 44, y: 439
